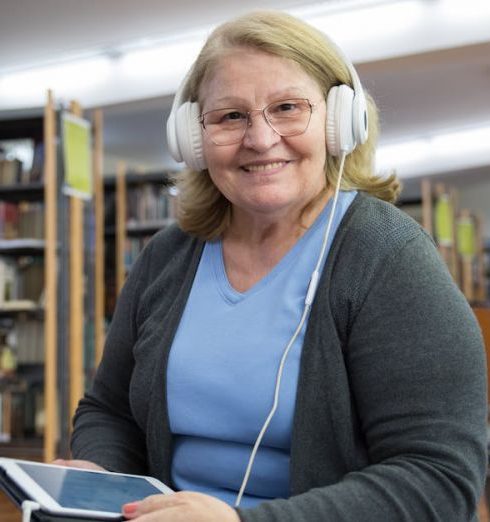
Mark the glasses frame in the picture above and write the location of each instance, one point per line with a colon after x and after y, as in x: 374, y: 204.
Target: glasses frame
x: 249, y: 120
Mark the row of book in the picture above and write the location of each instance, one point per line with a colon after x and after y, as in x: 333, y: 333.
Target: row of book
x: 10, y: 171
x: 27, y: 341
x: 21, y: 410
x: 150, y: 202
x: 132, y: 248
x: 14, y: 172
x: 21, y: 280
x: 21, y: 220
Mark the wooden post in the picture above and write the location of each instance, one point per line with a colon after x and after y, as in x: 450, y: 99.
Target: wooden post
x: 481, y: 287
x: 427, y: 206
x: 120, y: 225
x: 76, y: 294
x: 50, y: 282
x: 453, y: 254
x: 98, y: 123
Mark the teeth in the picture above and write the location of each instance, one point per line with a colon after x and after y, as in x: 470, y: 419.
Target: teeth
x: 262, y: 168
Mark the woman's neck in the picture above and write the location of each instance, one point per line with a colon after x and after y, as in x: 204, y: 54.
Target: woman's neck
x: 252, y: 247
x: 262, y: 229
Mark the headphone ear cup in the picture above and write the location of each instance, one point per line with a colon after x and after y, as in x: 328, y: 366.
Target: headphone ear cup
x: 360, y: 117
x: 188, y: 135
x: 172, y: 142
x: 339, y: 131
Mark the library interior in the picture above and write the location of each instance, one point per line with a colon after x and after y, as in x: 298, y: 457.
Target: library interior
x: 87, y: 178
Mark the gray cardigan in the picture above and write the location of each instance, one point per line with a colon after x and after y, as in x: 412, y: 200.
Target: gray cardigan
x: 390, y: 415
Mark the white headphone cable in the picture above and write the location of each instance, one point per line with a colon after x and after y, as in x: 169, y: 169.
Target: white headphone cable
x: 28, y: 506
x: 310, y: 294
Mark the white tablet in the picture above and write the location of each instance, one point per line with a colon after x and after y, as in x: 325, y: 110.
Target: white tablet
x: 79, y: 492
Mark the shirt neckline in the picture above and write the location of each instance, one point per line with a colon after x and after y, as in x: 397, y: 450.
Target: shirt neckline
x: 232, y: 295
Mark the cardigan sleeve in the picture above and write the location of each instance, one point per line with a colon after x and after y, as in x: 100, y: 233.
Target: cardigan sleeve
x: 417, y: 375
x: 105, y: 431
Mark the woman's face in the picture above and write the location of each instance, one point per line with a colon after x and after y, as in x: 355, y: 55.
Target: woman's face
x: 265, y: 174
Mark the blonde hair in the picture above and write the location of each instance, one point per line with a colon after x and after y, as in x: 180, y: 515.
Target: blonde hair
x: 203, y: 210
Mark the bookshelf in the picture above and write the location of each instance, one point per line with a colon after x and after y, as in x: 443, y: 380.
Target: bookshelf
x: 24, y: 312
x: 47, y: 321
x: 136, y: 207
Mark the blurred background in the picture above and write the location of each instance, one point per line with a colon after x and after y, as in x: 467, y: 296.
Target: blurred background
x: 426, y: 63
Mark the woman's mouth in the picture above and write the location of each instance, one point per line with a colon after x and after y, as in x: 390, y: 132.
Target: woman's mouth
x: 264, y: 167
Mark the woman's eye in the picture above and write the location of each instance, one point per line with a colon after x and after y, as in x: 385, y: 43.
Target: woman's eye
x: 285, y: 107
x: 233, y: 115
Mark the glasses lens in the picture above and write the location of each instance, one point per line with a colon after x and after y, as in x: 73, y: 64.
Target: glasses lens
x: 289, y: 117
x: 225, y: 126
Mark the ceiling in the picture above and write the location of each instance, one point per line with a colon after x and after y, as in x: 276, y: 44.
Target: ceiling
x: 419, y: 93
x: 43, y: 31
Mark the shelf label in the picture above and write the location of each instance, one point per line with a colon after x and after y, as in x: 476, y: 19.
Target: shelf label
x: 77, y: 157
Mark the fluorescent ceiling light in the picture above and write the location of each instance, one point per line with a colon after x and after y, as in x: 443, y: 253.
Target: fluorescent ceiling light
x: 152, y: 68
x: 433, y: 154
x: 366, y: 30
x: 385, y: 30
x: 369, y: 22
x: 28, y: 88
x: 388, y: 157
x: 150, y: 62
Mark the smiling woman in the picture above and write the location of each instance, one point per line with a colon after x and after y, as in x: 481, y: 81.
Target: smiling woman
x: 315, y: 65
x: 294, y: 349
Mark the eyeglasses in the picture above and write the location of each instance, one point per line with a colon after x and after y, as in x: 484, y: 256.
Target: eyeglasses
x: 286, y: 117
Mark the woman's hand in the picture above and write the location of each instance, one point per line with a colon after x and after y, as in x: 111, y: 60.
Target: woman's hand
x: 184, y: 506
x: 82, y: 464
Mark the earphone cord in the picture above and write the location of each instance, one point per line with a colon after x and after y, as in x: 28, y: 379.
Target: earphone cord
x: 310, y: 294
x: 28, y: 506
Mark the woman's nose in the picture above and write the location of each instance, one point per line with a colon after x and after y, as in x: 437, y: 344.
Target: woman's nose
x: 259, y: 134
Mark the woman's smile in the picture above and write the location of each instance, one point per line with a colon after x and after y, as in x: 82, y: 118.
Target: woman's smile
x: 265, y: 167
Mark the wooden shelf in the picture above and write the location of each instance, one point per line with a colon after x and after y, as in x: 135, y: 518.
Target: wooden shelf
x: 28, y: 448
x: 16, y: 193
x: 22, y: 247
x: 14, y: 127
x: 143, y: 228
x: 137, y: 179
x: 14, y: 308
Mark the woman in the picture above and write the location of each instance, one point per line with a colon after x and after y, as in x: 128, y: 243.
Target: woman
x: 379, y: 377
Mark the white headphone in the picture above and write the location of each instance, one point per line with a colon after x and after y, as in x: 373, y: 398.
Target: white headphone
x: 347, y: 121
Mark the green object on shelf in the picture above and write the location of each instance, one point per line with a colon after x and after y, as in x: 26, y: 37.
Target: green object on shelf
x: 444, y: 220
x: 466, y: 237
x: 8, y: 362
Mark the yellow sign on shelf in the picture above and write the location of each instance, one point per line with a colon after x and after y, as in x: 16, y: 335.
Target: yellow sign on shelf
x: 466, y: 237
x: 444, y: 220
x: 77, y: 156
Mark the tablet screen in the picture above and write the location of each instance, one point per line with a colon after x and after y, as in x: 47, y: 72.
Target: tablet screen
x: 76, y: 489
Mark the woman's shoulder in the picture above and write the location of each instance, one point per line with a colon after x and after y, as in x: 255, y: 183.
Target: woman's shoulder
x: 373, y: 235
x: 376, y: 241
x: 377, y: 224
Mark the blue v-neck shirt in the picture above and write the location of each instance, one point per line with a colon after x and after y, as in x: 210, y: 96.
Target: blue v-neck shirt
x: 223, y: 366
